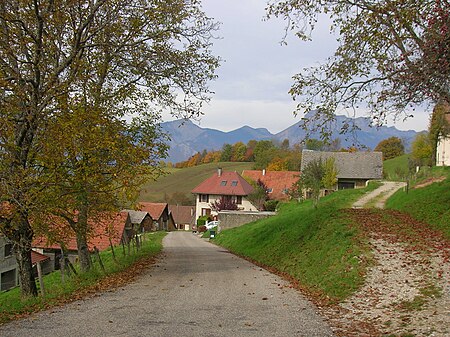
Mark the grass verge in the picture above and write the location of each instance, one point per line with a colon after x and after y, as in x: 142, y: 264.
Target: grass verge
x: 116, y: 274
x: 317, y: 247
x: 429, y: 204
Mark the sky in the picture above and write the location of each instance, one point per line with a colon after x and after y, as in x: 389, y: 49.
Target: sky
x: 256, y: 74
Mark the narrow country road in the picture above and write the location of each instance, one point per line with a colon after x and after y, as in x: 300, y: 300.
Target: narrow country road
x: 196, y: 289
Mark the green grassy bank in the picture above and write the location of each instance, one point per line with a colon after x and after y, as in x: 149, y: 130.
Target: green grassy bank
x: 430, y: 203
x: 318, y: 247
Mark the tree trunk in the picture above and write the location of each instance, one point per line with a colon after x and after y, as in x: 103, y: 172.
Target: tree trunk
x: 82, y: 244
x: 22, y: 249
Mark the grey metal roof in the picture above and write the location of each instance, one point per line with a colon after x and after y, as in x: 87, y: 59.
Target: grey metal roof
x: 350, y: 165
x: 136, y: 217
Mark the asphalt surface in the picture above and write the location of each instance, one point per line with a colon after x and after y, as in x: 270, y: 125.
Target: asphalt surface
x: 196, y: 289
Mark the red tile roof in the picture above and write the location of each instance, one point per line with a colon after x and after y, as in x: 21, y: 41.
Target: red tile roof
x: 278, y: 181
x: 38, y: 257
x: 155, y: 209
x: 183, y: 214
x: 107, y: 225
x: 224, y: 183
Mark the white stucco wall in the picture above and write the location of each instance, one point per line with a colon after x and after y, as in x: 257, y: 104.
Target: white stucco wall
x: 443, y: 152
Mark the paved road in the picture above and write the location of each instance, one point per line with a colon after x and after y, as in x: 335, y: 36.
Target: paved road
x: 381, y: 194
x: 196, y: 289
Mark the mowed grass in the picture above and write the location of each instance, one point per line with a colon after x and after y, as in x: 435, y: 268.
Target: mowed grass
x: 317, y: 247
x: 13, y: 305
x: 396, y: 169
x: 185, y: 180
x: 430, y: 204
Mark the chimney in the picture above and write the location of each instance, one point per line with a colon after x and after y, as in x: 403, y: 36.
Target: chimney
x: 264, y: 172
x: 219, y: 171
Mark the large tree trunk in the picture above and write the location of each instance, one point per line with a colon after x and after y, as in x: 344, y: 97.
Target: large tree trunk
x: 82, y: 244
x: 22, y: 244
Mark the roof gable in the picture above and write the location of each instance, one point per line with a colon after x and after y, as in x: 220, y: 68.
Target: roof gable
x: 224, y: 183
x: 350, y: 165
x: 105, y: 226
x: 155, y: 209
x: 182, y: 214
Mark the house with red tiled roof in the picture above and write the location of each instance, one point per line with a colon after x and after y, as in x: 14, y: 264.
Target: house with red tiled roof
x: 184, y: 216
x: 222, y: 184
x: 278, y: 183
x: 108, y: 228
x: 159, y: 212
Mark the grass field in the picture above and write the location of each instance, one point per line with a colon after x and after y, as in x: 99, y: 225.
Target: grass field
x: 185, y: 180
x: 396, y: 169
x: 430, y: 203
x: 116, y: 272
x: 317, y: 247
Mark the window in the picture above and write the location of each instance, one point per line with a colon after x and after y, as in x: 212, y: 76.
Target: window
x: 234, y: 183
x: 206, y: 211
x: 223, y: 183
x: 269, y: 190
x: 8, y: 250
x: 239, y: 200
x: 203, y: 197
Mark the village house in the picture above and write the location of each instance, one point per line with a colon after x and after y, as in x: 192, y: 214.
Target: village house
x: 159, y: 212
x: 354, y: 169
x: 222, y: 185
x: 141, y: 221
x: 108, y: 228
x: 184, y: 216
x: 278, y: 183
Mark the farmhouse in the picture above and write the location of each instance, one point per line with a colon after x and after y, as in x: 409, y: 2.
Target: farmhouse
x: 230, y: 185
x: 109, y: 228
x: 355, y: 169
x: 184, y: 216
x: 159, y: 212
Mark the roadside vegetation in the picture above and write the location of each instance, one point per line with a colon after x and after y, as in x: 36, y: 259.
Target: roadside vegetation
x: 117, y: 272
x: 318, y: 247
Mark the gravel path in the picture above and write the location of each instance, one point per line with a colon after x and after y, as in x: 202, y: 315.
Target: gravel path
x: 196, y: 289
x: 381, y: 194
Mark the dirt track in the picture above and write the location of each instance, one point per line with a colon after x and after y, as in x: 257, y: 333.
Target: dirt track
x: 196, y: 289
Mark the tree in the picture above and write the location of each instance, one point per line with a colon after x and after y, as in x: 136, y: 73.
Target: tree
x: 316, y: 175
x: 312, y: 179
x: 69, y: 56
x: 329, y: 178
x: 264, y: 152
x: 227, y: 152
x: 225, y: 202
x: 259, y: 195
x: 391, y: 55
x: 391, y: 147
x: 421, y: 150
x: 239, y: 151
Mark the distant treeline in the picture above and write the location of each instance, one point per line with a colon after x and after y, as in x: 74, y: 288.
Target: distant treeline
x: 265, y: 154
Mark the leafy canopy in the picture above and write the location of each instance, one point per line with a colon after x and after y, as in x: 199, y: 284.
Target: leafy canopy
x: 392, y: 55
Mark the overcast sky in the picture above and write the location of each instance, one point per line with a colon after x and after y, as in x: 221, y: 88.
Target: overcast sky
x: 254, y: 79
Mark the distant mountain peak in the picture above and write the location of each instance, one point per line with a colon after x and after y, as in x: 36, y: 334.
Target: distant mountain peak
x: 187, y: 138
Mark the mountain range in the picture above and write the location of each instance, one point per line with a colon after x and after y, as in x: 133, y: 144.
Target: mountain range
x: 187, y: 138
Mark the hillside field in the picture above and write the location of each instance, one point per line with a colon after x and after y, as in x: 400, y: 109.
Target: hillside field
x: 185, y: 180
